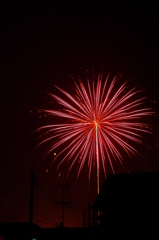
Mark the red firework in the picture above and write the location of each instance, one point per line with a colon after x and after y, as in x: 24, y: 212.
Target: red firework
x: 100, y: 121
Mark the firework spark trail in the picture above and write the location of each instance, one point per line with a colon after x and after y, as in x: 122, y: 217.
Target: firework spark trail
x: 97, y: 154
x: 101, y: 121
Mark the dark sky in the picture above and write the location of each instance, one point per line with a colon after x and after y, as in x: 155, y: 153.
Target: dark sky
x: 43, y: 44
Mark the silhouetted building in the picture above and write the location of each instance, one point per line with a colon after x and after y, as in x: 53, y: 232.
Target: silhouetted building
x: 65, y: 233
x: 128, y: 206
x: 25, y: 231
x: 20, y: 230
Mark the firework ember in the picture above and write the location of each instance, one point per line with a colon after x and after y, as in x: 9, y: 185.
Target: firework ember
x: 98, y: 121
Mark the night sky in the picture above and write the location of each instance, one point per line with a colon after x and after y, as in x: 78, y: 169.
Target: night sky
x: 44, y: 44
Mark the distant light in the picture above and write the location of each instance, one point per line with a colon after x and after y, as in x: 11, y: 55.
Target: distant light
x: 47, y: 170
x: 54, y: 154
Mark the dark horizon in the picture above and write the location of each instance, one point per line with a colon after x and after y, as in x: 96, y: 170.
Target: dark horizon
x: 126, y: 207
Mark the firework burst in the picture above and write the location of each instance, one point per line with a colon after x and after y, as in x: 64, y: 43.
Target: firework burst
x: 98, y: 121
